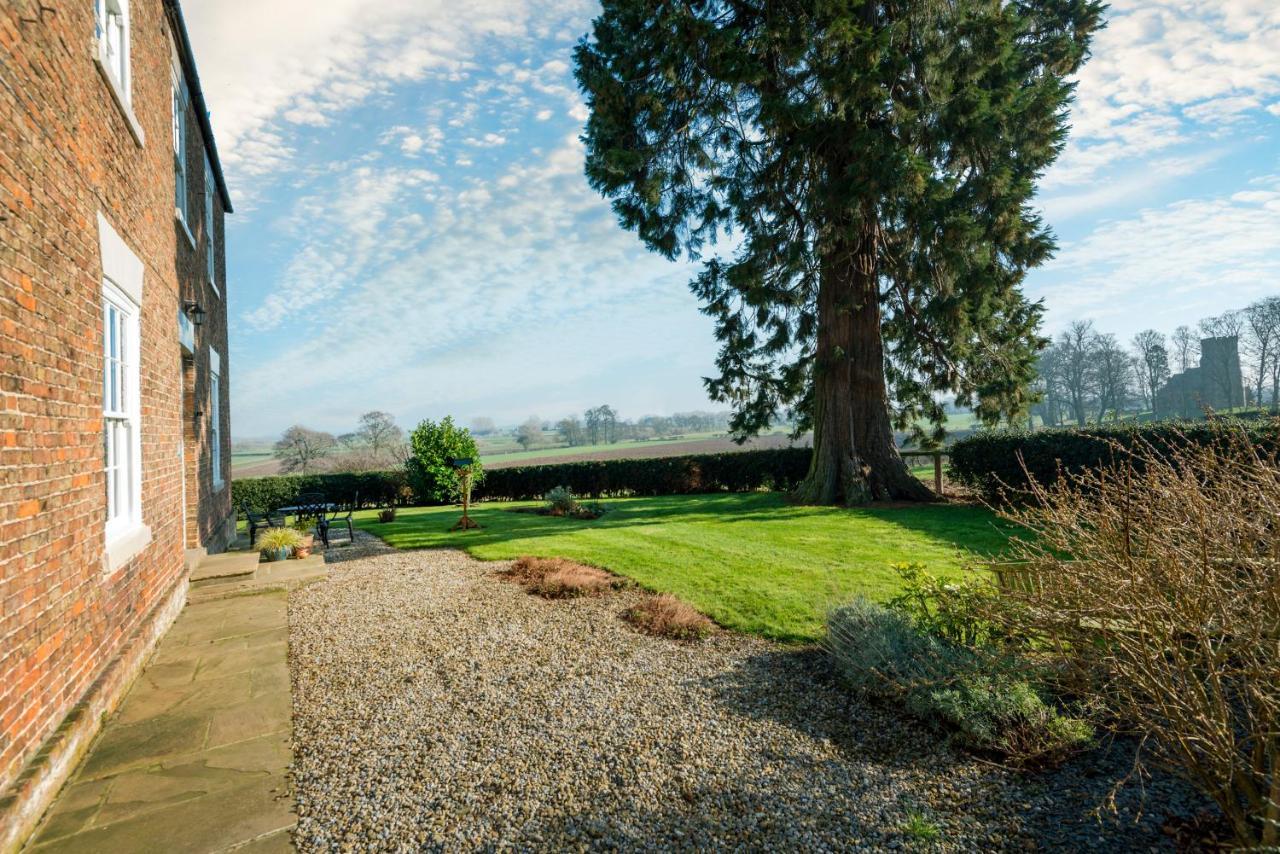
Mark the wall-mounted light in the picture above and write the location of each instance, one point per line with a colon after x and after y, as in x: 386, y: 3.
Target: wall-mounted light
x: 193, y: 310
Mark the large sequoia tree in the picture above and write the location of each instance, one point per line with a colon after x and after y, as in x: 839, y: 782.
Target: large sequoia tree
x: 871, y: 164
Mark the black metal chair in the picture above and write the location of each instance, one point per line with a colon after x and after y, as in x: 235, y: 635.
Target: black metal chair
x: 257, y: 520
x: 340, y: 515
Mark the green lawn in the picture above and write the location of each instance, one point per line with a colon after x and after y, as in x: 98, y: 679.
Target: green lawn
x: 751, y: 562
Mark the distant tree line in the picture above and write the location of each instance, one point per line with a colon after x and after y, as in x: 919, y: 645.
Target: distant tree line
x: 1086, y: 376
x: 602, y: 425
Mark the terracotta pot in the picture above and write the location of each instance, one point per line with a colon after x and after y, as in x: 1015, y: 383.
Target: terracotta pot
x: 303, y: 549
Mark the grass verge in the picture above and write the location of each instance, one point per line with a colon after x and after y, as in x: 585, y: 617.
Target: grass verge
x: 751, y: 562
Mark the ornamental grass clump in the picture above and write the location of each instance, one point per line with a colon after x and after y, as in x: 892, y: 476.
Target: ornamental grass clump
x: 666, y: 616
x: 557, y: 578
x: 983, y: 702
x: 278, y: 539
x: 1154, y: 584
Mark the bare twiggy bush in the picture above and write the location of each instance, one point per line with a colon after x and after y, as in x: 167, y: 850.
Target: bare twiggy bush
x: 557, y: 578
x: 667, y: 616
x: 1155, y: 582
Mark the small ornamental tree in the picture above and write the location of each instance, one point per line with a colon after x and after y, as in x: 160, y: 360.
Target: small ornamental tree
x: 434, y: 446
x: 875, y: 162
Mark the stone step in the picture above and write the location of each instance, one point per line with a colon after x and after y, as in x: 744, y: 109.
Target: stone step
x: 227, y: 565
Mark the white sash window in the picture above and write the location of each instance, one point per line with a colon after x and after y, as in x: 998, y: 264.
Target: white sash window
x: 122, y: 272
x: 120, y: 411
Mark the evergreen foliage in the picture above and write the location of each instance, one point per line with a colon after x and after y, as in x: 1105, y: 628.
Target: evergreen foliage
x: 874, y: 162
x: 434, y: 446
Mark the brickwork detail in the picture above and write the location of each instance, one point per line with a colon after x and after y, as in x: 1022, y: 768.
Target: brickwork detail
x: 67, y: 154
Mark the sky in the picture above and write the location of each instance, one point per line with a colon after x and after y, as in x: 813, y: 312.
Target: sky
x: 413, y: 231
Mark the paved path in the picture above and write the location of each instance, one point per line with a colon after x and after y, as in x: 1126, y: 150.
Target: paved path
x: 196, y: 758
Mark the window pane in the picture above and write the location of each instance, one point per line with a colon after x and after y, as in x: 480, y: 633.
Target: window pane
x: 125, y: 392
x: 123, y: 468
x: 108, y: 445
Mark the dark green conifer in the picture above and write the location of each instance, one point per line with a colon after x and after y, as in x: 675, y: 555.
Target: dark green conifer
x: 867, y: 167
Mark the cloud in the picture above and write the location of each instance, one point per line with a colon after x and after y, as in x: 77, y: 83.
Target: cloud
x: 1164, y: 73
x: 397, y: 268
x: 1213, y: 253
x: 270, y: 67
x: 1072, y: 202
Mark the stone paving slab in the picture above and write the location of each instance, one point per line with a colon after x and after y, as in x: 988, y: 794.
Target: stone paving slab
x: 197, y: 757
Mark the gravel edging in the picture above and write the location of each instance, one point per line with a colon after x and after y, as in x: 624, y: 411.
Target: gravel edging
x: 437, y: 706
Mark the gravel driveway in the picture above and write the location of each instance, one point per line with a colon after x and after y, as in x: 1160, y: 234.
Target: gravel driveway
x: 437, y: 706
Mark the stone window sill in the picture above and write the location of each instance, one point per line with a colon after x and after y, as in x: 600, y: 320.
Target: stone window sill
x: 117, y: 95
x: 125, y: 547
x: 182, y: 221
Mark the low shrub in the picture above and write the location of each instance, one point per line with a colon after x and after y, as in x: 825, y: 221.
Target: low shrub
x: 666, y: 616
x: 956, y: 611
x: 1156, y: 589
x: 561, y: 501
x: 273, y: 539
x: 558, y: 578
x: 1001, y: 464
x: 986, y: 706
x: 387, y: 515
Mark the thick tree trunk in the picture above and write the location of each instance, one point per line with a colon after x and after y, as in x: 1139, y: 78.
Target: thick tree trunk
x: 855, y: 458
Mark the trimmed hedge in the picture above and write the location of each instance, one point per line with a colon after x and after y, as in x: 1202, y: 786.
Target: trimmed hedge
x: 374, y: 489
x: 991, y: 462
x: 744, y: 471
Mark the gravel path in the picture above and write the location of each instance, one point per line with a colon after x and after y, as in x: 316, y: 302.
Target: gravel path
x: 437, y: 706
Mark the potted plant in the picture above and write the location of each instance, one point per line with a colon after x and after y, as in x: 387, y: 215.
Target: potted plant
x: 278, y: 543
x: 305, y: 528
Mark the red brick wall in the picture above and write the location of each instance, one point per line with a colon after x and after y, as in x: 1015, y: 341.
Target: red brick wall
x: 66, y: 154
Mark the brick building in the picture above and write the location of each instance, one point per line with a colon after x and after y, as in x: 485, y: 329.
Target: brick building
x: 114, y: 416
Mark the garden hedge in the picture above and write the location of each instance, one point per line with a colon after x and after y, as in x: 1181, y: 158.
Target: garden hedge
x: 744, y: 471
x: 373, y: 488
x: 992, y: 462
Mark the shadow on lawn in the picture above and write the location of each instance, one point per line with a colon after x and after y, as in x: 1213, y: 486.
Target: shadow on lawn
x: 961, y: 527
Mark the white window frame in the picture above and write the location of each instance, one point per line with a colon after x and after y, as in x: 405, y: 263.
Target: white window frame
x: 210, y: 244
x: 125, y: 532
x: 215, y: 417
x: 121, y: 412
x: 113, y: 39
x: 181, y: 175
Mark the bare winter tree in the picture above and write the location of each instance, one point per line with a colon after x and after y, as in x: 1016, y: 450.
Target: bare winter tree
x: 572, y: 431
x: 1186, y: 347
x: 382, y: 436
x: 1077, y: 370
x: 1114, y: 371
x: 1153, y: 364
x: 301, y: 449
x: 1050, y: 387
x: 529, y: 433
x: 1262, y: 345
x: 482, y: 426
x: 1224, y: 325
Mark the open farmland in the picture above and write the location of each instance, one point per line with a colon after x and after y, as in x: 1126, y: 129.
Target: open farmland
x: 498, y: 453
